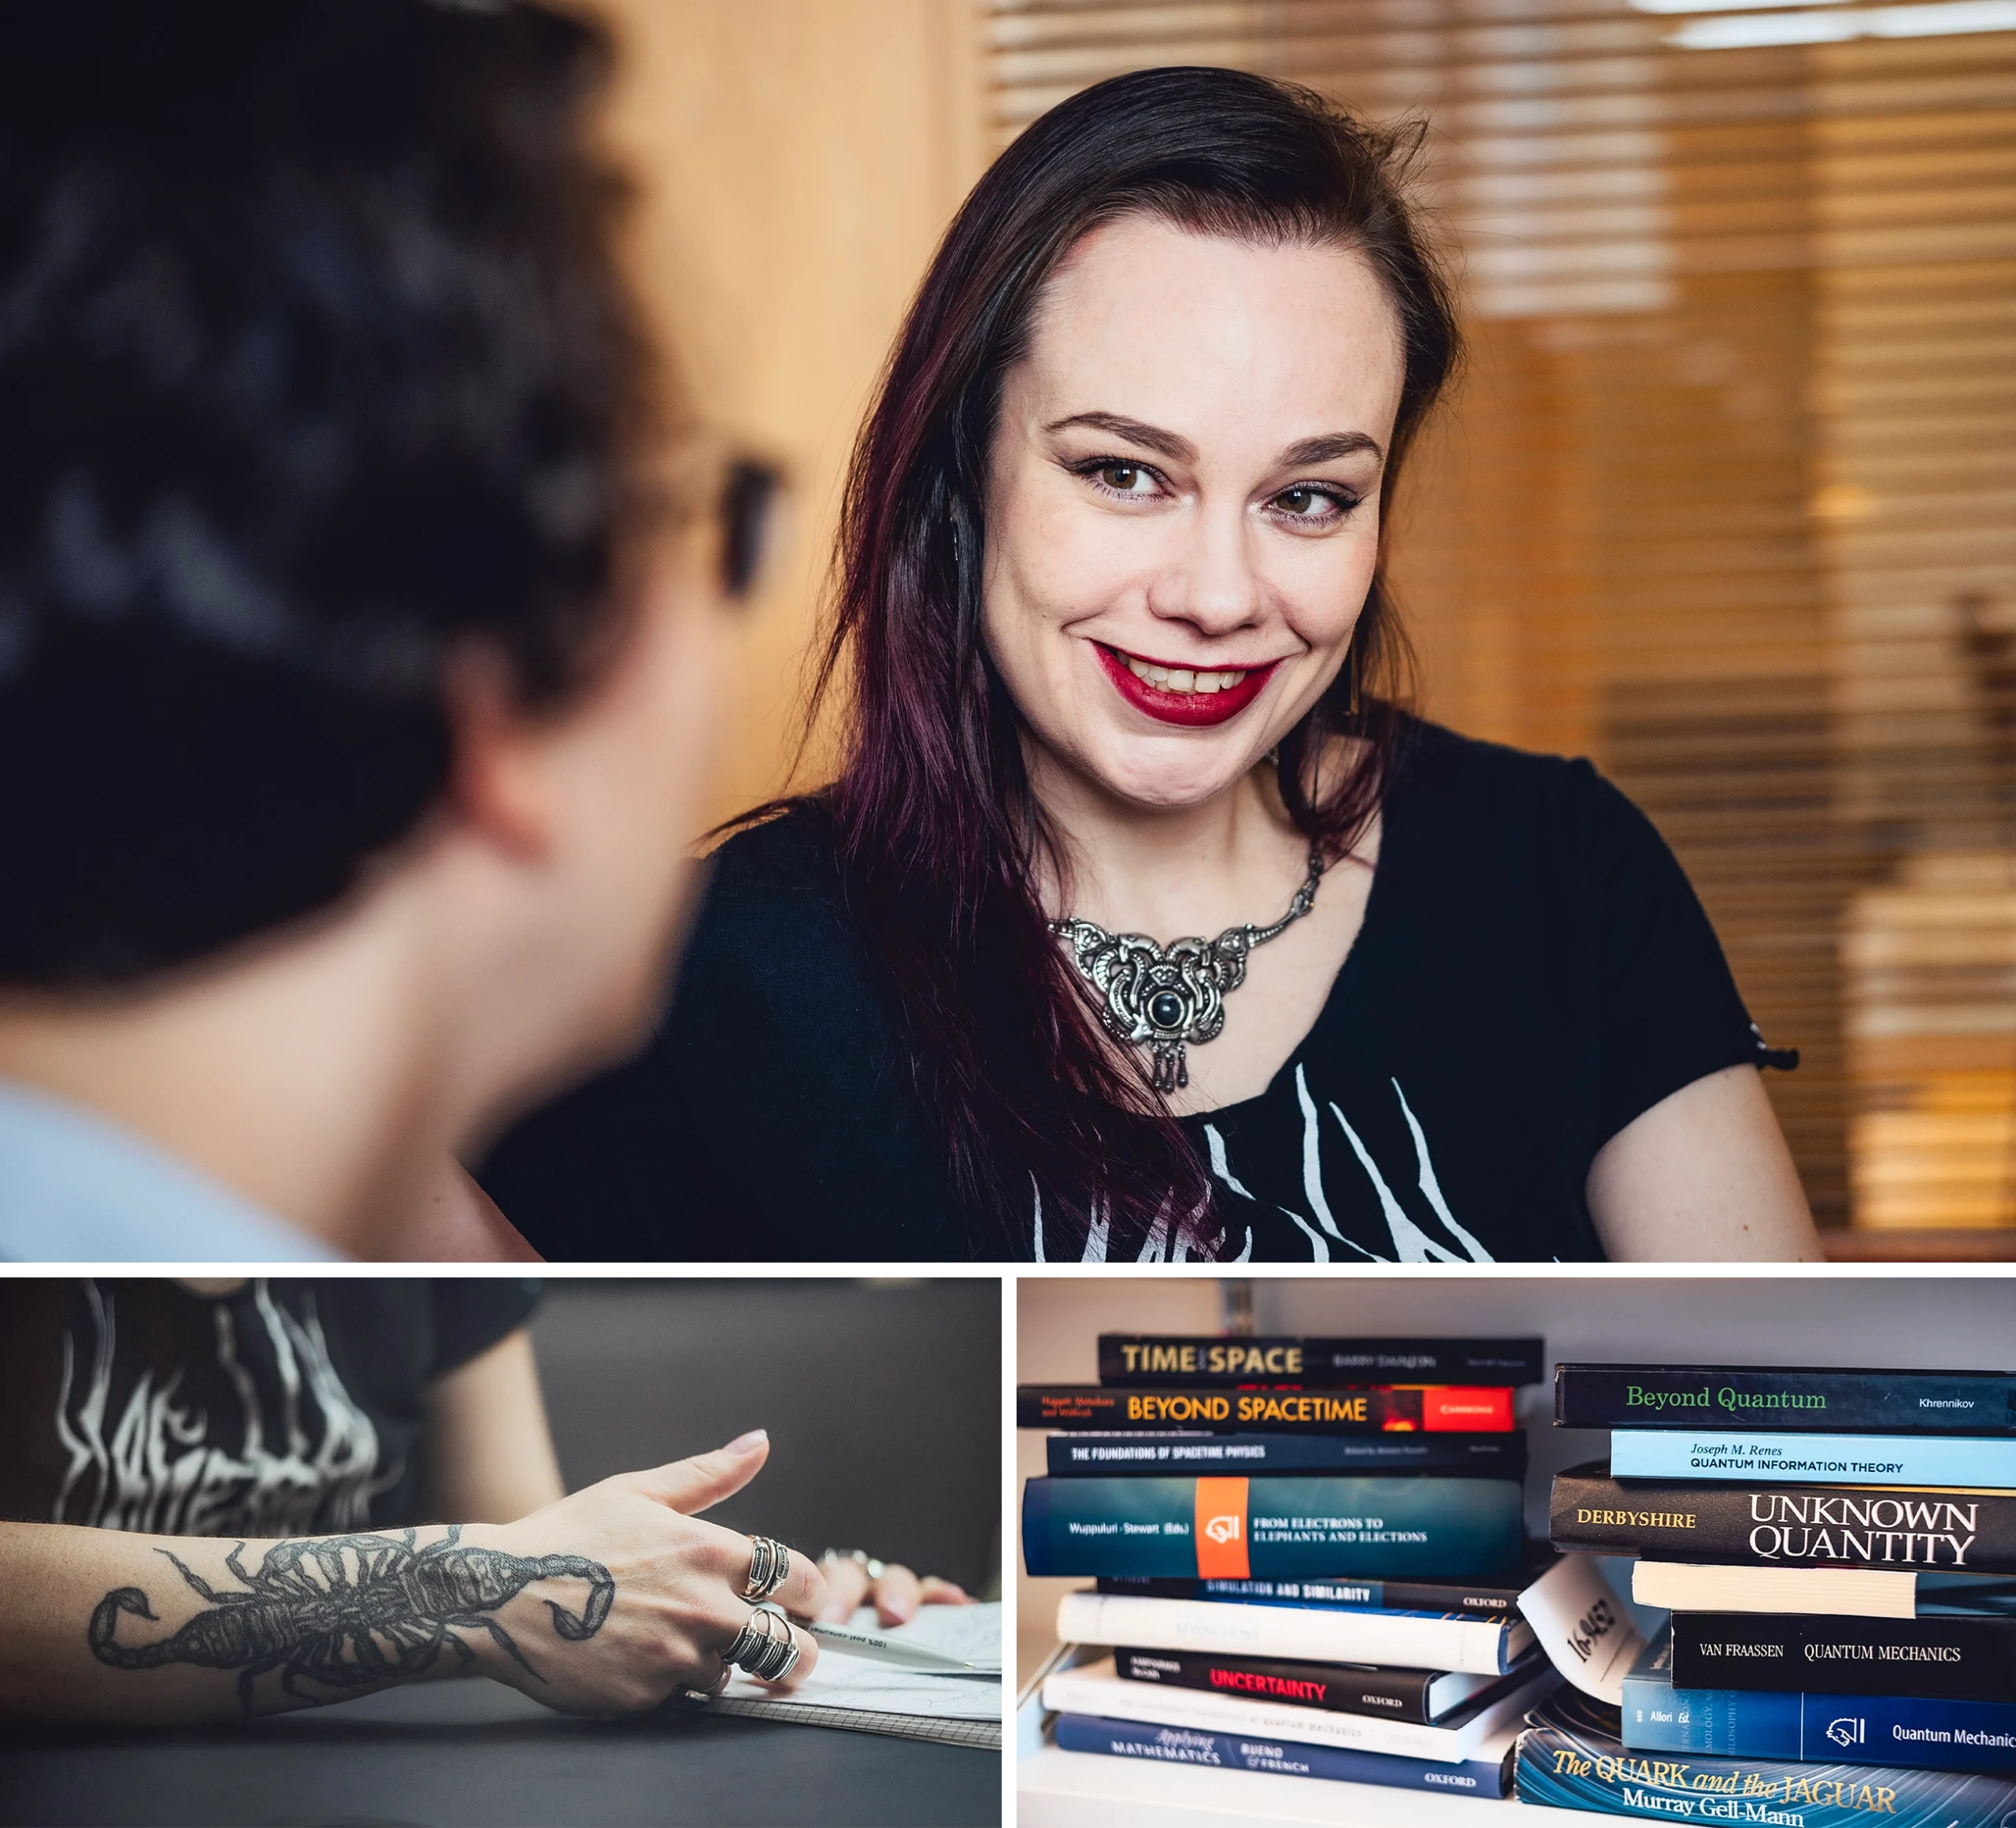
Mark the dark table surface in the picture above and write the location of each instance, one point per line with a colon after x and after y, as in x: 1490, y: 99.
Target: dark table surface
x: 475, y: 1753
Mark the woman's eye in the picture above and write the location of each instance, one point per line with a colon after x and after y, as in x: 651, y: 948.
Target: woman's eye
x: 1311, y: 504
x: 1126, y: 479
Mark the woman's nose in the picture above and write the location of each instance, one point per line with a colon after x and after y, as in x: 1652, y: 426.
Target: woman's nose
x: 1215, y: 584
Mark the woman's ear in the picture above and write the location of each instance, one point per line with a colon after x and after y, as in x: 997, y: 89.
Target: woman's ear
x: 497, y: 786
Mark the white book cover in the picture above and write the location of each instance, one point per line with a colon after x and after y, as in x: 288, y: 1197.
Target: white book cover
x: 1416, y: 1640
x: 1095, y: 1689
x: 1858, y: 1593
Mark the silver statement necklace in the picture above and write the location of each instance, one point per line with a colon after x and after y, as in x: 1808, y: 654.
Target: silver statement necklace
x: 1166, y: 997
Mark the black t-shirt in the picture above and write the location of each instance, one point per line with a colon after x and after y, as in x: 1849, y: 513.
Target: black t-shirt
x: 283, y: 1408
x: 1533, y: 972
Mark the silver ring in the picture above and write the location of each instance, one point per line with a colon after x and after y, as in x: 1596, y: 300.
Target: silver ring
x: 769, y: 1562
x: 861, y: 1559
x: 760, y: 1650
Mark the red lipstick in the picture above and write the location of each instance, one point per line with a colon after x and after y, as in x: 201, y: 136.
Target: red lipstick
x: 1194, y: 709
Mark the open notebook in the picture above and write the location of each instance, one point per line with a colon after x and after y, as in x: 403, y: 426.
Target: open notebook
x: 863, y: 1696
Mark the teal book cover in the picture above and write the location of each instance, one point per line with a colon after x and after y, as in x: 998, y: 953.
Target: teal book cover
x: 1237, y: 1529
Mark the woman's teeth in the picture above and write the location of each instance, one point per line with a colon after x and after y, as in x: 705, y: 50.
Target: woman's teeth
x: 1181, y: 678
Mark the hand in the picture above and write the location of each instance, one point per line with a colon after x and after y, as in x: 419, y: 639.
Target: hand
x: 895, y: 1592
x: 673, y: 1587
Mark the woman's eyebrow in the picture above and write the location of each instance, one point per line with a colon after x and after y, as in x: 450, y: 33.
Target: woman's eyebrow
x: 1169, y: 444
x: 1329, y: 446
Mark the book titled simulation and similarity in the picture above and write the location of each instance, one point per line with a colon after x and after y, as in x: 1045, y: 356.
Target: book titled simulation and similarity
x: 1833, y: 1459
x: 1482, y: 1456
x: 1813, y: 1402
x: 1238, y: 1529
x: 1421, y: 1640
x: 1149, y: 1359
x: 1942, y: 1657
x: 1440, y: 1409
x: 1495, y: 1597
x: 1421, y: 1696
x: 1575, y: 1767
x: 1486, y: 1773
x: 1096, y: 1690
x: 1764, y: 1525
x: 1892, y: 1730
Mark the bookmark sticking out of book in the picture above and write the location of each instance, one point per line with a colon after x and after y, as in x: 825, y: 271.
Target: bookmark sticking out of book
x: 1587, y: 1632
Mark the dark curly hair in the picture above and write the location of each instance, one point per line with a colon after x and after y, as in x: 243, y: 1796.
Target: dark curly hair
x: 315, y: 365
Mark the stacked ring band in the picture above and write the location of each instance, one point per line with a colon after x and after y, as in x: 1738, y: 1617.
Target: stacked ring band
x: 769, y: 1652
x: 770, y: 1561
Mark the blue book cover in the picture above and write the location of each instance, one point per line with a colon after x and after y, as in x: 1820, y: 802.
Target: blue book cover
x: 1577, y: 1766
x: 1480, y: 1455
x: 1845, y: 1729
x: 1236, y: 1529
x: 1475, y: 1777
x: 1832, y: 1460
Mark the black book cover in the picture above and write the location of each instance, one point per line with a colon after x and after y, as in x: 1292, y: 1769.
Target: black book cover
x: 1146, y: 1360
x: 1494, y: 1456
x: 1336, y: 1688
x: 1777, y: 1526
x: 1485, y: 1599
x: 1943, y: 1657
x: 1787, y: 1399
x: 1439, y: 1409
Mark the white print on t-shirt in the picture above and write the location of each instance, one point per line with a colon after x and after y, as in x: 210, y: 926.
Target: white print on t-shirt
x: 1411, y: 1243
x: 157, y: 1469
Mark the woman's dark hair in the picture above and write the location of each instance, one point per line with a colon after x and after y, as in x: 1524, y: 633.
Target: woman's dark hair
x: 938, y: 834
x: 315, y: 365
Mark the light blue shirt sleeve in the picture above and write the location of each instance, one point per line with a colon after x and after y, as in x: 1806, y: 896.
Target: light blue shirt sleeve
x: 78, y: 1187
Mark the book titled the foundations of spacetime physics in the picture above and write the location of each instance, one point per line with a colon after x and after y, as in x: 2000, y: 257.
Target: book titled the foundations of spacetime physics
x: 1095, y: 1689
x: 1833, y: 1459
x: 1861, y: 1592
x: 1495, y: 1595
x: 1440, y: 1409
x: 1149, y: 1358
x: 1773, y: 1526
x: 1758, y: 1397
x: 1899, y: 1729
x: 1943, y: 1657
x: 1386, y: 1693
x: 1236, y: 1529
x: 1488, y: 1772
x: 1578, y: 1766
x: 1485, y: 1456
x: 1424, y: 1640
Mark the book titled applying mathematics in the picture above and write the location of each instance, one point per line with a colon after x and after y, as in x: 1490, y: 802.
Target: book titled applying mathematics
x: 1842, y: 1459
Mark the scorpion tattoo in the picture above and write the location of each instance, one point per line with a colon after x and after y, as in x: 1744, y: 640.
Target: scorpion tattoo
x: 352, y: 1612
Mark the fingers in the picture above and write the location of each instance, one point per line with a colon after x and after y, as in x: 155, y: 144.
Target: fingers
x: 846, y: 1586
x: 937, y: 1592
x: 807, y: 1659
x: 688, y: 1486
x: 803, y: 1591
x: 898, y: 1595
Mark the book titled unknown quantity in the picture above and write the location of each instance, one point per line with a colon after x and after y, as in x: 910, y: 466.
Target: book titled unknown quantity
x: 1236, y: 1529
x: 1151, y: 1358
x: 1812, y: 1402
x: 1442, y: 1409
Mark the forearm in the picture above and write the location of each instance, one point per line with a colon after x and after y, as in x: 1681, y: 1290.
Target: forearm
x: 104, y: 1624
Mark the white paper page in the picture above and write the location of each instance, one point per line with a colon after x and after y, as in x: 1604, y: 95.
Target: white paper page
x: 1586, y: 1630
x: 841, y: 1681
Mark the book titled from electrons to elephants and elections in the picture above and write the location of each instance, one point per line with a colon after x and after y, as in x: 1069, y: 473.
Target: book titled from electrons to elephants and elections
x: 1444, y: 1409
x: 1812, y: 1402
x: 1395, y: 1450
x: 1180, y: 1358
x: 1899, y: 1729
x: 1758, y: 1523
x: 1236, y: 1529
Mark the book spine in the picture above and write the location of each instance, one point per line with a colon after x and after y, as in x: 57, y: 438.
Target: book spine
x: 1479, y: 1598
x: 1812, y: 1402
x: 1236, y: 1529
x: 1482, y: 1456
x: 1832, y: 1459
x: 1384, y: 1694
x: 1564, y: 1770
x: 1941, y: 1658
x: 1888, y: 1729
x: 1244, y: 1752
x: 1749, y: 1524
x: 1477, y: 1647
x: 1146, y: 1360
x: 1438, y: 1409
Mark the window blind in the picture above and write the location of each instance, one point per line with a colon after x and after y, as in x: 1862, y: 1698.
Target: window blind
x: 1727, y: 499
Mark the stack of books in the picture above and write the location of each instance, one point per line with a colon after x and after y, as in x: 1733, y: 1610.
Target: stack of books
x: 1836, y: 1549
x: 1308, y: 1556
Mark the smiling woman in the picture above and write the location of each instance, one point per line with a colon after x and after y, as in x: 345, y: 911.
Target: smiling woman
x: 1122, y: 664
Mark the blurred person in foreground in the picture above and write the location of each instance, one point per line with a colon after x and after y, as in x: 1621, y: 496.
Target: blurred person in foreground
x: 235, y: 1497
x: 357, y: 666
x: 1143, y: 921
